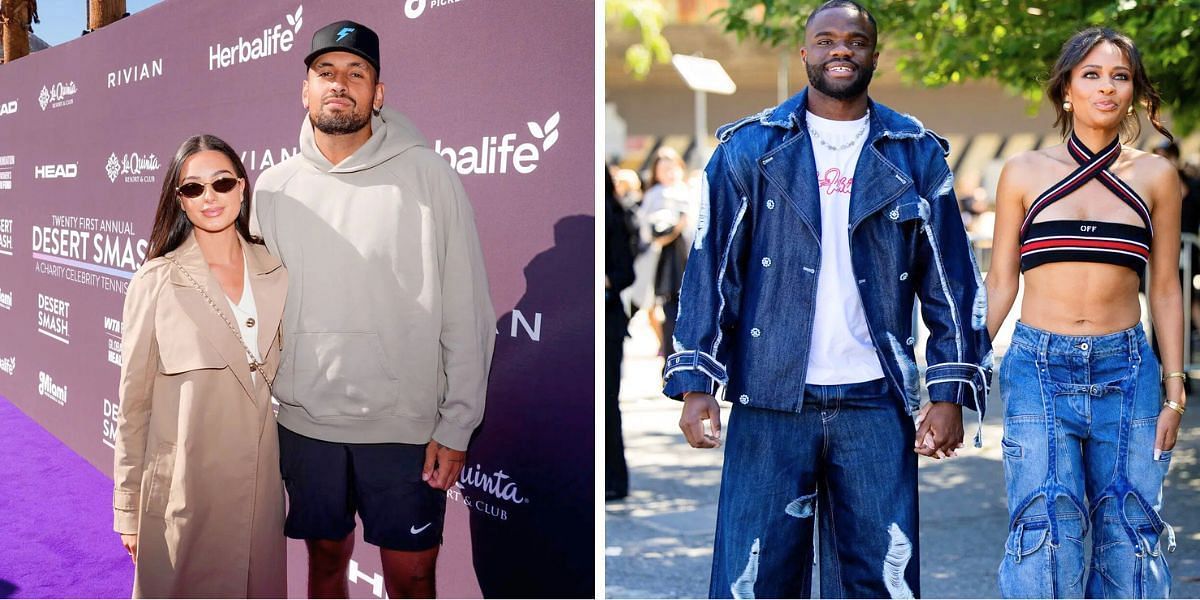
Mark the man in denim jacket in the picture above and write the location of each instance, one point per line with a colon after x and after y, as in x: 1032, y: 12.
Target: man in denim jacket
x: 821, y: 221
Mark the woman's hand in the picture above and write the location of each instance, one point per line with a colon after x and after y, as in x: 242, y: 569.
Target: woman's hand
x: 1167, y: 431
x: 129, y: 540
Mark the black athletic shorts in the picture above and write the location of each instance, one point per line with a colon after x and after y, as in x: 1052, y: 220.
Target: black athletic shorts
x: 327, y: 482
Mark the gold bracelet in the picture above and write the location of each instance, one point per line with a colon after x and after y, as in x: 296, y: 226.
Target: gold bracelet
x: 1179, y: 374
x: 1175, y: 406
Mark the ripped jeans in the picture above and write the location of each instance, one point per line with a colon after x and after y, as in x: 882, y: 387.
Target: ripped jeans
x: 1079, y: 424
x: 846, y: 460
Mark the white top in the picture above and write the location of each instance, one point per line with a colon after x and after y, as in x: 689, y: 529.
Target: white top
x: 841, y: 349
x: 245, y: 313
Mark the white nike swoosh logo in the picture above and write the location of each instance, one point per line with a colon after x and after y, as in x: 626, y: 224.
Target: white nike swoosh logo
x: 415, y: 530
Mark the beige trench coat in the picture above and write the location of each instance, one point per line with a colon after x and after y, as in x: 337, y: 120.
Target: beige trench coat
x: 196, y: 471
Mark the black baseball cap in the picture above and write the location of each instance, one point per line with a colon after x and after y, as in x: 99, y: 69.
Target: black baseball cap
x: 345, y: 36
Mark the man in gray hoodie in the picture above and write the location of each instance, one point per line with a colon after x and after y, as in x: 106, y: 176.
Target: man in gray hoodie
x: 388, y: 329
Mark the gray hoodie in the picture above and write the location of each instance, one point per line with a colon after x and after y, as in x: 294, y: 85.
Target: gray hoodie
x: 388, y: 329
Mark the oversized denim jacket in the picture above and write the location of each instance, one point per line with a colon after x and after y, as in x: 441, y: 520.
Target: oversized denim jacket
x: 748, y: 296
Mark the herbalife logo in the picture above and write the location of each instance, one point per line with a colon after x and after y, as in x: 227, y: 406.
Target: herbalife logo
x: 8, y: 108
x: 6, y: 300
x: 495, y: 154
x: 57, y: 95
x: 8, y: 365
x: 135, y: 167
x: 273, y: 40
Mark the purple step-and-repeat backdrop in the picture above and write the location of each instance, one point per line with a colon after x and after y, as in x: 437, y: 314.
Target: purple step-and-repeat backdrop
x: 503, y: 90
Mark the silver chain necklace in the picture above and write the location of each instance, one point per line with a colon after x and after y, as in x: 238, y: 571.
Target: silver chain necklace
x: 255, y: 364
x: 838, y: 148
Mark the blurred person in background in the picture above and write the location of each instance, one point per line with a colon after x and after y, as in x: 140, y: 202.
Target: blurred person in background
x: 664, y: 217
x: 1189, y: 222
x: 628, y: 188
x: 619, y: 247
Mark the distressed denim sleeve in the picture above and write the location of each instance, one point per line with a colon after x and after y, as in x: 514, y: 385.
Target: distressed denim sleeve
x: 953, y: 303
x: 712, y: 282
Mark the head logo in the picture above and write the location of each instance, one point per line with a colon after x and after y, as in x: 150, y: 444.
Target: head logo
x: 57, y: 95
x: 63, y: 171
x: 8, y: 365
x: 496, y: 153
x: 274, y: 40
x: 344, y: 32
x: 136, y: 168
x: 8, y: 108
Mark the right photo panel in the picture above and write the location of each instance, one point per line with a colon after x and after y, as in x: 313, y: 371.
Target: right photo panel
x: 902, y: 299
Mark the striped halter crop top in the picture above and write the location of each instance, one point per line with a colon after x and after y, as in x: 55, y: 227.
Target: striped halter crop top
x: 1087, y: 241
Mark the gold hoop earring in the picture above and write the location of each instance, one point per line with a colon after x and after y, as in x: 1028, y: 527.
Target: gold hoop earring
x: 1066, y: 105
x: 1130, y: 111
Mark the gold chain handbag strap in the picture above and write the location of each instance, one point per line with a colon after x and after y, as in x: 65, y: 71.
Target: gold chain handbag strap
x: 254, y: 364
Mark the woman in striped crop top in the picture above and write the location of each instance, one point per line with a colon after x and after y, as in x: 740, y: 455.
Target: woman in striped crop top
x: 1087, y: 438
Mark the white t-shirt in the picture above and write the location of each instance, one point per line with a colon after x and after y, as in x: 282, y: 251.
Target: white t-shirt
x: 841, y: 350
x: 245, y: 313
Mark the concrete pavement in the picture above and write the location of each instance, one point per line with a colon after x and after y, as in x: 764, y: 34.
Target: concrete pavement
x: 659, y: 540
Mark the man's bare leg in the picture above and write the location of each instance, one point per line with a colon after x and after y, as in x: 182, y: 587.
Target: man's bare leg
x: 409, y: 574
x: 327, y: 564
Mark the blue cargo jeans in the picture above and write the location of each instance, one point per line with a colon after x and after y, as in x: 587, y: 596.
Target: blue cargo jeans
x: 1079, y: 424
x: 845, y: 459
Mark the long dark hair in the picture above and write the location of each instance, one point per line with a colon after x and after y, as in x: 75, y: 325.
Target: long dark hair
x: 1073, y: 53
x: 171, y: 224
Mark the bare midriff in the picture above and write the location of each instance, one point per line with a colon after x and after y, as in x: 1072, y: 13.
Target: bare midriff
x: 1074, y: 298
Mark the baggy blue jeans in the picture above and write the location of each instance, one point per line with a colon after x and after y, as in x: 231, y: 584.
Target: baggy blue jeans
x: 1079, y: 425
x: 847, y: 458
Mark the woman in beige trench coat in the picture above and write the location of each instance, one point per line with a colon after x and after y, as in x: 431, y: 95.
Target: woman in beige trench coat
x: 198, y: 497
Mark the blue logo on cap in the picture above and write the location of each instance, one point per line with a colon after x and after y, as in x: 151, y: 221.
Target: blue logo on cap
x: 344, y: 32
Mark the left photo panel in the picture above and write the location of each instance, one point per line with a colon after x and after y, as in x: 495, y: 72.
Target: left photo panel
x: 296, y: 298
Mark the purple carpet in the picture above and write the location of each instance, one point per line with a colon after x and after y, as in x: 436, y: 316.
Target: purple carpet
x: 56, y: 538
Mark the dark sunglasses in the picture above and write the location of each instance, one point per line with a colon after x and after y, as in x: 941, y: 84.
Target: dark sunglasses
x: 195, y: 189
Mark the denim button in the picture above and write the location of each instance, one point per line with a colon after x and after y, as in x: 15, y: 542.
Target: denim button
x: 744, y: 399
x: 766, y: 261
x: 755, y: 332
x: 903, y: 276
x: 770, y: 205
x: 910, y: 341
x: 895, y: 214
x: 1083, y: 346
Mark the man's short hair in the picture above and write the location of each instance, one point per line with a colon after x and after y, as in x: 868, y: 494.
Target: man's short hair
x: 844, y: 4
